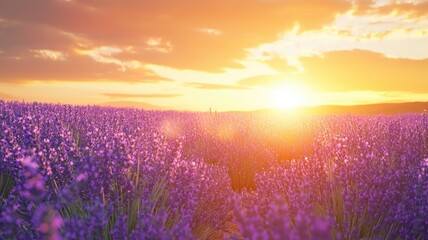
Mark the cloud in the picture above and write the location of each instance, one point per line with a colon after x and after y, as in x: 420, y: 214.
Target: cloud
x: 213, y: 86
x: 105, y: 54
x: 279, y: 64
x: 18, y: 38
x: 412, y: 9
x: 49, y: 54
x: 365, y: 70
x: 158, y: 45
x: 211, y: 31
x: 264, y: 80
x: 36, y: 52
x: 126, y: 95
x: 372, y: 32
x: 190, y: 34
x: 356, y: 70
x: 224, y: 77
x: 74, y: 67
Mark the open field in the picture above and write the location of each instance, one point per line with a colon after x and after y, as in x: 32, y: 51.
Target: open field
x: 69, y: 172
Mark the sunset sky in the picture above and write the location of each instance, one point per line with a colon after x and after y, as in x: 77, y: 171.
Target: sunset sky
x: 219, y: 54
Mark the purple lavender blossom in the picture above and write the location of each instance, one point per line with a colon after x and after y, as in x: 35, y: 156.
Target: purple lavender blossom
x: 77, y: 172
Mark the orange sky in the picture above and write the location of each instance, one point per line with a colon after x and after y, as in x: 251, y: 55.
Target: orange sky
x: 219, y: 54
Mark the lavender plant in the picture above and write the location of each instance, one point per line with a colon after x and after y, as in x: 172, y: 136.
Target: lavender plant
x: 88, y: 172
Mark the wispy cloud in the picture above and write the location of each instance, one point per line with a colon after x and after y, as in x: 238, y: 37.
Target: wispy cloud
x: 213, y: 86
x: 105, y: 54
x: 410, y: 8
x: 49, y: 54
x: 211, y: 31
x: 159, y: 45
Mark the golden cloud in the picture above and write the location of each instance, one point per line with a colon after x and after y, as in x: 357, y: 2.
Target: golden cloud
x: 127, y: 95
x: 355, y: 70
x: 191, y: 34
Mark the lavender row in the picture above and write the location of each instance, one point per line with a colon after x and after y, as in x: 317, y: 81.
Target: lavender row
x: 70, y: 172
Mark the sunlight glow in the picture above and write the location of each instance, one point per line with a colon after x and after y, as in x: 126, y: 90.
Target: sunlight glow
x: 289, y: 96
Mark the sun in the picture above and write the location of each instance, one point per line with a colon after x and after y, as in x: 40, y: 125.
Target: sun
x: 289, y: 96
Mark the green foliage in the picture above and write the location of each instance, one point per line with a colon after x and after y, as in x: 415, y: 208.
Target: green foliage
x: 6, y: 184
x: 73, y: 209
x: 158, y: 197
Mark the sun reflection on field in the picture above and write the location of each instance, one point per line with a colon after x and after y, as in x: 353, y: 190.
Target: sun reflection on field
x: 171, y: 129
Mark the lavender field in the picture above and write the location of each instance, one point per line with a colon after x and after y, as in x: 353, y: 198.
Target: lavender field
x: 75, y: 172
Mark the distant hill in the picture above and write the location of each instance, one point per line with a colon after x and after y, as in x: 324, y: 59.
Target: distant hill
x: 381, y: 108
